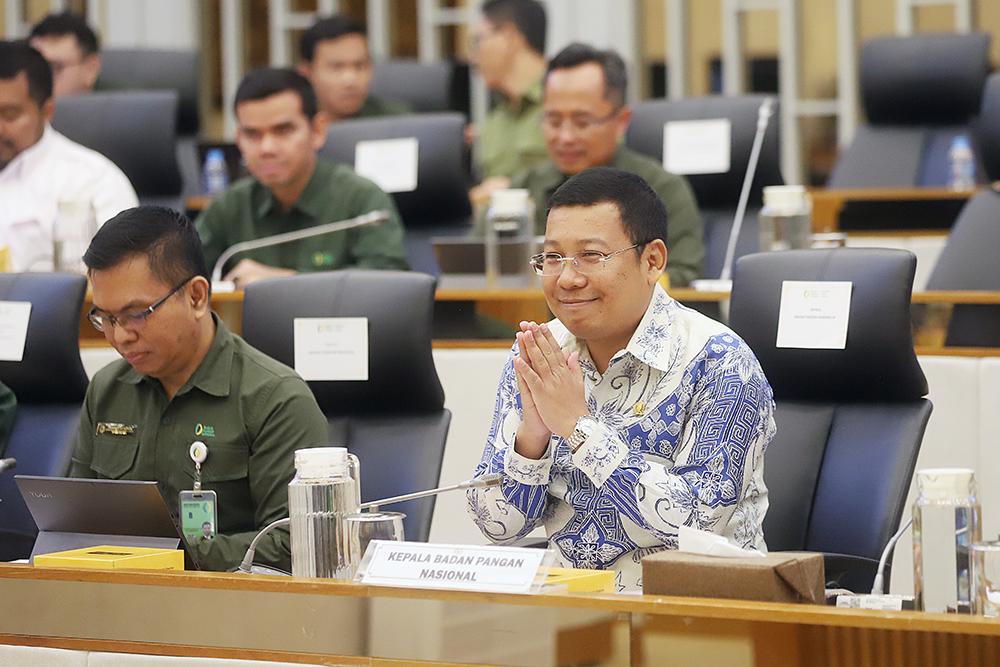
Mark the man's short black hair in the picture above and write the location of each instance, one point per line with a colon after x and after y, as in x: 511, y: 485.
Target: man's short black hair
x: 67, y: 23
x: 264, y: 82
x: 19, y: 56
x: 528, y: 16
x: 644, y: 217
x: 333, y: 27
x: 615, y: 73
x: 166, y: 238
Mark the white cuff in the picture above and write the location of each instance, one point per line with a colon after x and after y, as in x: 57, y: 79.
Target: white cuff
x: 525, y: 470
x: 600, y: 454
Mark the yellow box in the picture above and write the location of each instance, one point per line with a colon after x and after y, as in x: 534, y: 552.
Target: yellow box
x: 582, y: 581
x: 114, y: 558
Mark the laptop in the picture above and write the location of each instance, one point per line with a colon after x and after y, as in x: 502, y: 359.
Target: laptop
x: 78, y: 513
x: 463, y: 261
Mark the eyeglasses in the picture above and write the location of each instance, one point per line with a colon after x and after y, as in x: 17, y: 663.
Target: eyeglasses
x: 580, y: 123
x: 133, y: 321
x: 586, y: 262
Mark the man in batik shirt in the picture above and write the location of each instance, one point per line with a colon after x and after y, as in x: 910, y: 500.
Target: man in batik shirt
x: 629, y: 415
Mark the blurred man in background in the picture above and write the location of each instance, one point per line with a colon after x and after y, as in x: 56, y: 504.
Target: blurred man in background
x: 70, y: 46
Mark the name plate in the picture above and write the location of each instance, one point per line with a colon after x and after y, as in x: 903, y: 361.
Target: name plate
x: 490, y: 569
x: 14, y: 316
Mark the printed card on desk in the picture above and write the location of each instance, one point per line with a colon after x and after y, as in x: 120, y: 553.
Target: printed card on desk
x: 331, y: 348
x: 390, y: 163
x: 697, y: 146
x: 14, y: 317
x: 814, y: 314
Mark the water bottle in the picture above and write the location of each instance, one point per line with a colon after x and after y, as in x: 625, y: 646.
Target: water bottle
x: 963, y: 166
x: 945, y: 525
x: 785, y: 219
x: 325, y: 490
x: 216, y: 174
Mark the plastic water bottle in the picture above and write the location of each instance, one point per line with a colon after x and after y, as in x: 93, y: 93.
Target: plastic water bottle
x: 963, y: 166
x: 945, y: 525
x: 216, y: 174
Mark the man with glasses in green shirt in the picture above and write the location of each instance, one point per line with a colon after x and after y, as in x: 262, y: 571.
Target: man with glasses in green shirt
x: 279, y: 130
x: 184, y: 378
x: 584, y: 122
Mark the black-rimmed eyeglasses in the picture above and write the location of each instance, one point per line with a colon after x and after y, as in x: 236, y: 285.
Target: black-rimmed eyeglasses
x: 133, y: 321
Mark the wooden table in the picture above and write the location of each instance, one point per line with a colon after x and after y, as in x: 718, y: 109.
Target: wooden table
x: 827, y: 203
x: 317, y: 620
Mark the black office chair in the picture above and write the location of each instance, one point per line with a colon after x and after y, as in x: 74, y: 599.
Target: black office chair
x: 717, y: 194
x: 134, y: 129
x: 395, y: 422
x: 850, y: 422
x: 440, y: 204
x: 919, y: 93
x: 968, y: 260
x: 50, y: 384
x: 156, y: 69
x: 426, y: 87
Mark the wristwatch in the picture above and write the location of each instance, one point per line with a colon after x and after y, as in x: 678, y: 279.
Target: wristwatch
x: 585, y: 425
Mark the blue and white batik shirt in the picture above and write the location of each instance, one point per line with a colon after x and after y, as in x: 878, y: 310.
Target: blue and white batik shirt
x: 684, y: 414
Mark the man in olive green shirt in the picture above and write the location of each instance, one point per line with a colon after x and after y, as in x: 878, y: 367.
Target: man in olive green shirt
x: 279, y: 130
x: 584, y: 123
x: 8, y: 409
x: 509, y: 55
x: 184, y: 378
x: 335, y: 59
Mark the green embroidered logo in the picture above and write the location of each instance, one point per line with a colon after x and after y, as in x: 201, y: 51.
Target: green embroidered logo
x: 321, y: 258
x: 207, y: 431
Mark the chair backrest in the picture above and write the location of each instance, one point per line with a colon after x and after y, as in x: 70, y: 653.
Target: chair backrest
x: 717, y: 194
x: 426, y: 87
x: 850, y: 422
x: 968, y: 260
x: 50, y: 384
x: 134, y: 129
x: 919, y: 93
x: 157, y: 69
x: 395, y: 421
x: 441, y: 197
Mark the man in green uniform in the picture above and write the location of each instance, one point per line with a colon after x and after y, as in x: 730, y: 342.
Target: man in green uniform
x: 584, y: 124
x: 510, y: 56
x: 8, y: 409
x: 279, y: 129
x: 185, y: 378
x: 335, y: 60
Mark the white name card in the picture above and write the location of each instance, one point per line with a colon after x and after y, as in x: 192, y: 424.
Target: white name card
x: 390, y: 163
x: 814, y: 314
x: 14, y: 317
x: 697, y: 146
x: 490, y: 569
x: 331, y: 348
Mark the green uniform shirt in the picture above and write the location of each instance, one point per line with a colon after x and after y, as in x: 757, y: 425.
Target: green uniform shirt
x: 247, y: 211
x: 375, y: 106
x: 511, y: 138
x: 8, y: 408
x: 250, y: 411
x: 685, y: 235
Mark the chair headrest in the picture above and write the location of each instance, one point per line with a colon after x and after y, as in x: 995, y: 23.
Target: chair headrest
x: 50, y: 370
x: 399, y: 308
x: 878, y: 363
x: 924, y: 79
x: 988, y: 128
x: 645, y: 134
x: 135, y: 129
x: 441, y: 196
x: 157, y: 69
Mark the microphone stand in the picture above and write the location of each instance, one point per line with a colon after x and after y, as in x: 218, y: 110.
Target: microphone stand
x: 763, y: 116
x: 371, y: 218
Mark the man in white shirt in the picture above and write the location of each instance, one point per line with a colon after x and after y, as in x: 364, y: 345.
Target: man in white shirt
x: 40, y: 168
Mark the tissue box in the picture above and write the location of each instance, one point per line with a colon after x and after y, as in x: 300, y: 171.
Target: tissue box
x: 783, y: 576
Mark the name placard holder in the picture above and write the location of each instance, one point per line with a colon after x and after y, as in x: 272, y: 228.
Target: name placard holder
x: 489, y: 569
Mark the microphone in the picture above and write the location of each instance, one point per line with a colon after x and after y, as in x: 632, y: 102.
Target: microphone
x: 763, y: 116
x: 7, y: 464
x: 491, y: 479
x: 878, y: 588
x: 372, y: 218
